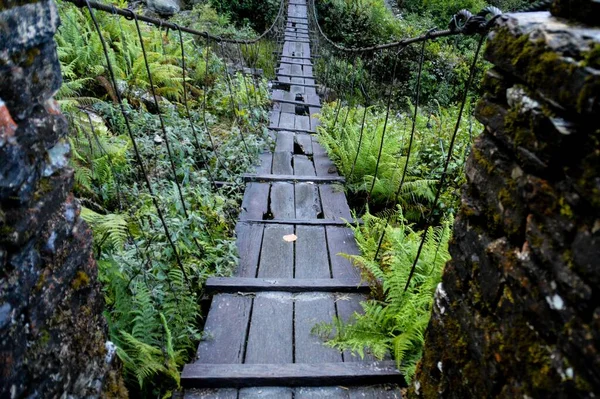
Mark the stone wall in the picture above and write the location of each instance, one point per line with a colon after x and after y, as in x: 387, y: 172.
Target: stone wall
x: 517, y: 314
x: 52, y: 334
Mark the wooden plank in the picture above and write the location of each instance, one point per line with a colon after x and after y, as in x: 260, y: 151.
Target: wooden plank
x: 285, y: 142
x: 251, y: 177
x: 246, y: 284
x: 282, y: 163
x: 341, y: 240
x: 387, y: 391
x: 302, y: 122
x: 291, y: 374
x: 284, y: 83
x: 308, y: 202
x: 310, y: 309
x: 286, y: 121
x: 270, y: 339
x: 292, y: 129
x: 304, y: 222
x: 304, y: 141
x: 274, y: 118
x: 277, y: 255
x: 311, y: 253
x: 225, y: 330
x: 249, y: 241
x: 303, y: 166
x: 333, y: 201
x: 266, y: 393
x: 207, y: 393
x: 266, y: 160
x: 254, y: 204
x: 321, y: 393
x: 282, y: 200
x: 323, y: 165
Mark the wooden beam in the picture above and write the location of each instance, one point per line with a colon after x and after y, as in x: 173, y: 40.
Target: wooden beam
x: 290, y: 75
x: 276, y: 128
x: 280, y: 100
x: 280, y: 83
x: 306, y: 222
x: 246, y: 284
x: 198, y: 375
x: 250, y: 177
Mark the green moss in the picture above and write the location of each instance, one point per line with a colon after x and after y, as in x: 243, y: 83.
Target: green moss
x: 565, y: 209
x: 44, y: 338
x: 482, y: 160
x: 592, y: 58
x: 540, y: 66
x: 81, y: 280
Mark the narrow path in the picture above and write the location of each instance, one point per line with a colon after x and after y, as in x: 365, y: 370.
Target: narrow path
x: 259, y: 325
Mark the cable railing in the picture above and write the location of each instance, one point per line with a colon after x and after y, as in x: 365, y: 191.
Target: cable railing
x: 462, y: 23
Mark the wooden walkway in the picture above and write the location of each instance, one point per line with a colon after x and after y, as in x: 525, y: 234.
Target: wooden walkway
x: 259, y: 342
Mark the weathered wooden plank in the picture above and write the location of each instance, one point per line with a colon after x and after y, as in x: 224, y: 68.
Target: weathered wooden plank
x: 311, y: 253
x: 254, y: 204
x: 386, y: 391
x: 341, y: 240
x: 292, y: 178
x: 333, y: 201
x: 277, y: 255
x: 292, y: 130
x: 274, y: 118
x: 282, y: 163
x: 266, y: 160
x: 303, y: 166
x: 248, y: 241
x: 323, y: 165
x: 304, y: 141
x: 310, y: 309
x: 245, y: 284
x: 321, y: 393
x: 208, y: 393
x: 302, y: 122
x: 270, y: 339
x: 285, y: 142
x: 308, y: 202
x: 286, y: 121
x: 225, y: 330
x: 290, y: 374
x: 304, y: 222
x: 282, y: 200
x: 266, y: 393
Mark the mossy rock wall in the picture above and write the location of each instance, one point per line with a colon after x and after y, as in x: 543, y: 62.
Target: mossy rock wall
x: 517, y: 314
x: 53, y: 338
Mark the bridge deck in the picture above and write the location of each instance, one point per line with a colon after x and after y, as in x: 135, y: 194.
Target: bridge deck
x: 259, y: 342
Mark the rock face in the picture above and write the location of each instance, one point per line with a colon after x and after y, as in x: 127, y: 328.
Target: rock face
x: 53, y: 339
x: 517, y: 312
x: 164, y: 7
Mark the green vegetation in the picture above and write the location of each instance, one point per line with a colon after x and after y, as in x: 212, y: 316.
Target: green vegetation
x: 152, y: 288
x: 394, y: 320
x: 433, y: 131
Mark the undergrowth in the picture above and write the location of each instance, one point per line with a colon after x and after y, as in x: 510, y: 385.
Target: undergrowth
x: 152, y: 289
x: 394, y: 320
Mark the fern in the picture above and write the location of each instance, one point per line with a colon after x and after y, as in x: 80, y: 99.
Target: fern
x: 396, y: 322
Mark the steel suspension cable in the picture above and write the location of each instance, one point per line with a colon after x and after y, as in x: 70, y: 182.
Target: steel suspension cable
x: 448, y: 158
x: 135, y: 148
x: 410, y: 143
